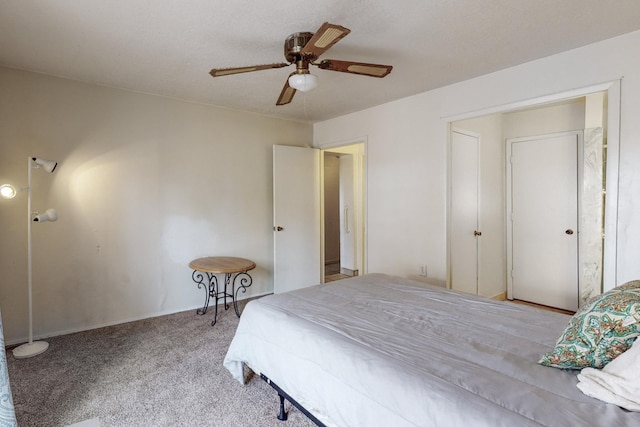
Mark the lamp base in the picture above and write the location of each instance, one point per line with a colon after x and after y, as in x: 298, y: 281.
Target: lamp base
x: 30, y: 349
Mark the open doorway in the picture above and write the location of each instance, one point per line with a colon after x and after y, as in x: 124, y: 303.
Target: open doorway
x: 343, y: 210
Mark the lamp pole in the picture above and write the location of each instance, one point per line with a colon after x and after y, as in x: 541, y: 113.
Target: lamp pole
x: 31, y: 348
x: 29, y: 252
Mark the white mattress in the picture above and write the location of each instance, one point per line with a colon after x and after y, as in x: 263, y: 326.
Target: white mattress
x: 378, y: 350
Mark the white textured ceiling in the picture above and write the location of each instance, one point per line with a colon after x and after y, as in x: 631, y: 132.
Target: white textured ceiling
x: 168, y: 47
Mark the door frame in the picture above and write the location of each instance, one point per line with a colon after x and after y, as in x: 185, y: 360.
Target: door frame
x: 613, y: 90
x: 509, y: 201
x: 361, y: 163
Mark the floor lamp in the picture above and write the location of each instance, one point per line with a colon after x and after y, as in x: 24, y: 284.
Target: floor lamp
x: 32, y: 348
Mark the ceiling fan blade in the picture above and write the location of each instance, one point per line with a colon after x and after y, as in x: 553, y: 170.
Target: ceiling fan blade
x: 326, y: 36
x: 287, y: 93
x: 362, y: 68
x: 219, y: 72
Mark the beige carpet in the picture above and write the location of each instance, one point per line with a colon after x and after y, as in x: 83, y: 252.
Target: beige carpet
x: 165, y: 371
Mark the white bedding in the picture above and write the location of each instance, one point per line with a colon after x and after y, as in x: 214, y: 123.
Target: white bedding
x: 378, y: 350
x: 618, y: 382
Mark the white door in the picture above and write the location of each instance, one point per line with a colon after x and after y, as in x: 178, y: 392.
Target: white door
x: 543, y: 243
x: 464, y: 222
x: 296, y: 218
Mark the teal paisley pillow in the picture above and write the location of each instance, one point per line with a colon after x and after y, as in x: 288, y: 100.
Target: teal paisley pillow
x: 602, y: 329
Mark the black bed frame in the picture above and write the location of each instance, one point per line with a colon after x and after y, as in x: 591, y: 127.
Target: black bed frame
x: 282, y: 416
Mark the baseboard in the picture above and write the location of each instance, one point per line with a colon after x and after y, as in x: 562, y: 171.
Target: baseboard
x: 120, y: 322
x: 348, y: 271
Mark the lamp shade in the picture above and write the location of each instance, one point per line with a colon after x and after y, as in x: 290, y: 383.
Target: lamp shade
x: 48, y: 165
x: 7, y: 191
x: 303, y: 82
x: 49, y: 215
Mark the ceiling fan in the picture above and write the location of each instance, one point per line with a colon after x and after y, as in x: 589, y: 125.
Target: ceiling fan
x: 303, y: 49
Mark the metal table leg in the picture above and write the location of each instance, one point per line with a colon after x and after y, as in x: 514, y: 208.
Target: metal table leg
x: 209, y: 281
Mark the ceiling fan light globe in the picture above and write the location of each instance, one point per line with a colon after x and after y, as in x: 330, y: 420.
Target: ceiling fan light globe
x: 303, y: 82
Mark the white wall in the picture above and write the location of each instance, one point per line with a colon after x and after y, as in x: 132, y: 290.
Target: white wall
x: 145, y: 184
x: 564, y: 117
x: 407, y: 151
x: 405, y: 182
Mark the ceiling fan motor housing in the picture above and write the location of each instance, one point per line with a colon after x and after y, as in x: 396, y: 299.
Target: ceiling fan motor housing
x: 294, y: 44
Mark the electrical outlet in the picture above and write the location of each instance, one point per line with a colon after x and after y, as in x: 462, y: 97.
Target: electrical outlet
x: 423, y: 270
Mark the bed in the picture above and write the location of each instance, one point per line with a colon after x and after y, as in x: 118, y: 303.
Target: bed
x: 378, y: 350
x: 7, y: 413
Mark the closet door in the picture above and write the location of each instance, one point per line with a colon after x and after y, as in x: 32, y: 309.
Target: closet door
x: 543, y: 200
x: 464, y: 206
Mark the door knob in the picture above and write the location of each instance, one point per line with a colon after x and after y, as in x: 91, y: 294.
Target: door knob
x: 477, y: 233
x: 569, y: 231
x: 278, y: 228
